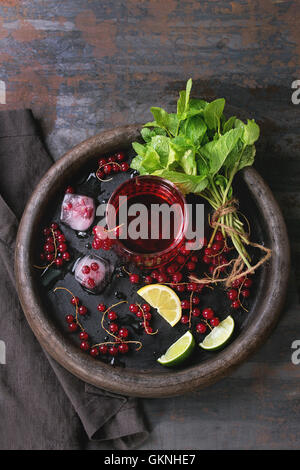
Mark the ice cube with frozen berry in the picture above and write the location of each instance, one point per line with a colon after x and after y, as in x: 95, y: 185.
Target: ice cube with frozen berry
x: 78, y: 211
x: 93, y: 272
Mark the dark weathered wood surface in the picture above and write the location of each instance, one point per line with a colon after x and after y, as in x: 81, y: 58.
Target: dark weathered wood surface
x: 84, y: 66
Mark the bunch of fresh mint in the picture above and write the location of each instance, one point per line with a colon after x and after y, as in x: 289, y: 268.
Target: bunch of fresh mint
x: 200, y: 151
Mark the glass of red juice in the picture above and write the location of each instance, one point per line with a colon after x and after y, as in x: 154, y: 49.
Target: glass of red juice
x: 165, y: 235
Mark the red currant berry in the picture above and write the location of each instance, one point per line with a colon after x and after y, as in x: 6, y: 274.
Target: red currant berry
x: 208, y: 313
x: 123, y: 332
x: 49, y: 247
x: 102, y: 161
x: 214, y: 321
x: 172, y: 268
x: 245, y: 293
x: 184, y: 319
x: 232, y: 294
x: 54, y: 226
x: 113, y: 328
x: 162, y: 278
x: 58, y: 262
x: 94, y: 352
x: 74, y: 300
x: 120, y: 156
x: 123, y: 348
x: 196, y: 312
x: 113, y: 350
x: 91, y: 282
x: 62, y: 247
x: 149, y: 330
x: 103, y: 349
x: 66, y: 256
x: 84, y: 345
x: 134, y: 278
x: 107, y: 169
x: 216, y: 247
x: 46, y: 231
x: 112, y: 315
x: 147, y: 316
x: 201, y: 328
x: 184, y: 251
x: 195, y: 300
x: 139, y: 313
x: 208, y: 252
x: 85, y: 270
x: 111, y: 159
x: 180, y: 288
x: 61, y: 238
x: 148, y: 280
x: 107, y: 244
x: 70, y: 318
x: 146, y: 308
x: 185, y: 304
x: 194, y: 259
x: 82, y: 310
x: 73, y: 326
x: 83, y: 335
x: 247, y: 283
x: 124, y: 166
x: 192, y: 287
x: 101, y: 307
x: 206, y: 259
x: 94, y: 266
x: 180, y: 259
x: 97, y: 243
x: 133, y: 308
x: 191, y: 266
x: 236, y: 304
x: 219, y: 237
x: 70, y: 190
x: 177, y: 277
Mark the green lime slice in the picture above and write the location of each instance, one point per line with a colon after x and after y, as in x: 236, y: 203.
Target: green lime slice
x: 178, y: 351
x: 219, y: 335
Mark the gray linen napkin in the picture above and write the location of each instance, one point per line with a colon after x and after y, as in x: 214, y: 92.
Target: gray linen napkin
x: 43, y: 406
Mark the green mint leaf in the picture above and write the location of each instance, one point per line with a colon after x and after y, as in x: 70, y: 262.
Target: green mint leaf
x: 194, y: 128
x: 168, y: 122
x: 229, y: 124
x: 216, y: 151
x: 186, y: 183
x: 213, y: 112
x: 183, y: 102
x: 139, y: 148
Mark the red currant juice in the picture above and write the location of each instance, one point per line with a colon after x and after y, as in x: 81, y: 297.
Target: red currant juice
x: 151, y: 192
x: 150, y: 245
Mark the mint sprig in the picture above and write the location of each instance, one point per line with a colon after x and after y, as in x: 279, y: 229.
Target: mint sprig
x: 200, y: 151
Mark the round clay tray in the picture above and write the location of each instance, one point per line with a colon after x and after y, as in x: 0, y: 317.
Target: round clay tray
x: 269, y: 300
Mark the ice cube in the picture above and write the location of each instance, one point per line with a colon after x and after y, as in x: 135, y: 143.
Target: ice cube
x: 77, y: 211
x: 93, y: 272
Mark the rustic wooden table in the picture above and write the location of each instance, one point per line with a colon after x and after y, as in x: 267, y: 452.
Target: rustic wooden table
x: 84, y: 66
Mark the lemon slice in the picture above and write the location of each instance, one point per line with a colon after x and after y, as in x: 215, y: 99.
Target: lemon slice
x: 178, y: 351
x: 164, y: 299
x: 219, y: 335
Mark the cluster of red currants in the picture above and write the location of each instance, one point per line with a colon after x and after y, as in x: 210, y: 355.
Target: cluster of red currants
x: 101, y: 239
x: 214, y: 255
x: 121, y: 333
x: 55, y: 248
x: 239, y: 287
x: 176, y: 273
x: 143, y: 313
x: 113, y: 164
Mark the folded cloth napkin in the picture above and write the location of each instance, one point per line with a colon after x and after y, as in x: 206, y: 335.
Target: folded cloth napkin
x: 43, y: 406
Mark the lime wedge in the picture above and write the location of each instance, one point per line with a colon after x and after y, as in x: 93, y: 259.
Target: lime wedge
x: 164, y: 299
x: 178, y: 351
x: 219, y: 335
